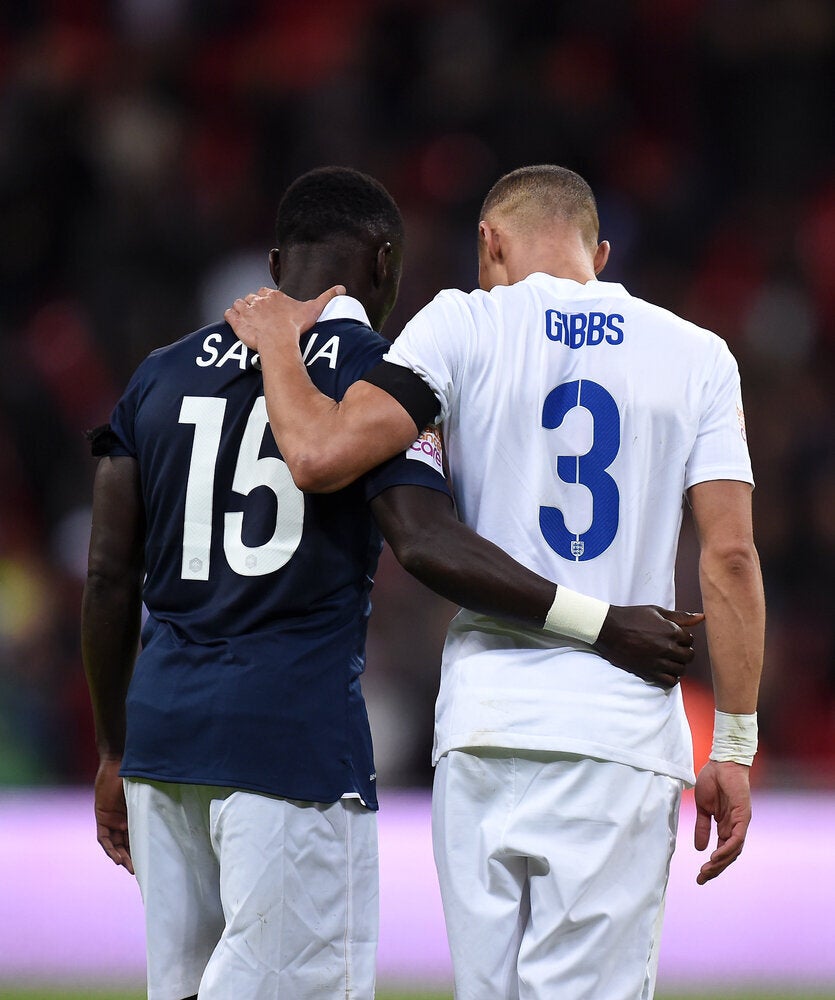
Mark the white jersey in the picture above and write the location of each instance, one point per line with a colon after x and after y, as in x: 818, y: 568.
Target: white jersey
x: 574, y: 419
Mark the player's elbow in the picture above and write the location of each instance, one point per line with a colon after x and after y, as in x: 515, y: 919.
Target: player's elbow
x: 420, y: 551
x: 316, y: 472
x: 108, y: 572
x: 422, y: 565
x: 409, y: 553
x: 733, y: 560
x: 111, y: 591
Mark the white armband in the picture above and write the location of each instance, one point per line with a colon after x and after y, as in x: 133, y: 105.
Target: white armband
x: 734, y: 738
x: 576, y: 616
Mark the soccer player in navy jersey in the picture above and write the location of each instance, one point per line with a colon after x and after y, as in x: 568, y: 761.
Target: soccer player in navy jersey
x: 236, y: 774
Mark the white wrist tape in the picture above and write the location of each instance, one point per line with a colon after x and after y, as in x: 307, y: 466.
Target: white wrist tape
x: 576, y: 616
x: 734, y: 737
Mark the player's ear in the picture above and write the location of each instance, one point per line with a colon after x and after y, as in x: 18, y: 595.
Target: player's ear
x: 490, y: 241
x: 275, y: 266
x: 601, y: 255
x: 383, y: 264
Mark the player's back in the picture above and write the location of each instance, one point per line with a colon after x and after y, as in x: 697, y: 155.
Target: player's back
x: 258, y: 596
x: 232, y: 545
x: 574, y: 418
x: 582, y: 415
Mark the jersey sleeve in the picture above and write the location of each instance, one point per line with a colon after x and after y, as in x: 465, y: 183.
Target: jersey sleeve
x: 435, y: 345
x: 364, y: 353
x: 721, y: 448
x: 422, y: 464
x: 122, y: 440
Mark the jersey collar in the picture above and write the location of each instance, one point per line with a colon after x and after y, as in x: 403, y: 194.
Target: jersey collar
x: 345, y: 307
x: 567, y: 286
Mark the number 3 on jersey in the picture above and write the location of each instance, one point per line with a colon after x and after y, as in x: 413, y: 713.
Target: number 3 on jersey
x: 588, y: 470
x: 206, y: 413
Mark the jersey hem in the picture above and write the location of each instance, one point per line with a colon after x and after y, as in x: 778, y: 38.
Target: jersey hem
x: 584, y: 748
x: 247, y: 786
x: 716, y: 473
x: 438, y: 487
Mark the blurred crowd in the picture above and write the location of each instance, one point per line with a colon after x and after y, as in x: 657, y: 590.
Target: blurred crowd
x: 144, y: 145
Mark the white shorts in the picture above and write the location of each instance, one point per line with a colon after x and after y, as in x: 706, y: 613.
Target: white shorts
x: 553, y: 871
x: 249, y: 896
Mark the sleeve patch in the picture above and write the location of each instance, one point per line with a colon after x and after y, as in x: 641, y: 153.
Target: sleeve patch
x: 428, y: 449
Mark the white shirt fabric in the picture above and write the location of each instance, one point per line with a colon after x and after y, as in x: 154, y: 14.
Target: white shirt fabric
x: 574, y: 418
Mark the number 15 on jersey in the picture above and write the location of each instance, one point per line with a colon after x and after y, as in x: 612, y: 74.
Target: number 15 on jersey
x: 251, y: 471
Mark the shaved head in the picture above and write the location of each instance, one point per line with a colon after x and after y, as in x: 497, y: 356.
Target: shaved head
x: 533, y: 198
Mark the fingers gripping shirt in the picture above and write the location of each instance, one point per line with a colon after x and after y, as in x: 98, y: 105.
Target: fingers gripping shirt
x: 574, y: 417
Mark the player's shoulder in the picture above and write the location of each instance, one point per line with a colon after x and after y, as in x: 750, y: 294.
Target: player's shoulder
x: 476, y: 298
x: 660, y: 316
x: 681, y: 335
x: 202, y: 348
x: 462, y: 308
x: 337, y: 352
x: 206, y: 342
x: 343, y: 340
x: 354, y: 332
x: 207, y: 361
x: 480, y: 302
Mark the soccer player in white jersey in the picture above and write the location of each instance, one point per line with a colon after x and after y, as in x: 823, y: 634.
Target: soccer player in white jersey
x: 576, y: 420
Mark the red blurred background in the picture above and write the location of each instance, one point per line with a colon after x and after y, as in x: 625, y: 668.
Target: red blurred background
x: 145, y: 146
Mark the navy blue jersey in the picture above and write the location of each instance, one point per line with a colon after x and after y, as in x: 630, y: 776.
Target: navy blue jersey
x: 258, y: 595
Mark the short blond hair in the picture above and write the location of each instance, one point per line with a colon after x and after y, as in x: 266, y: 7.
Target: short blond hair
x: 537, y: 195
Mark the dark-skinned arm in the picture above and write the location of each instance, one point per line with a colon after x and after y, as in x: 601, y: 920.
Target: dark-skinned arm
x: 430, y: 542
x: 110, y: 623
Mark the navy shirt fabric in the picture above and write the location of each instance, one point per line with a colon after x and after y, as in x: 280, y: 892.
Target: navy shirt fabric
x: 257, y: 595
